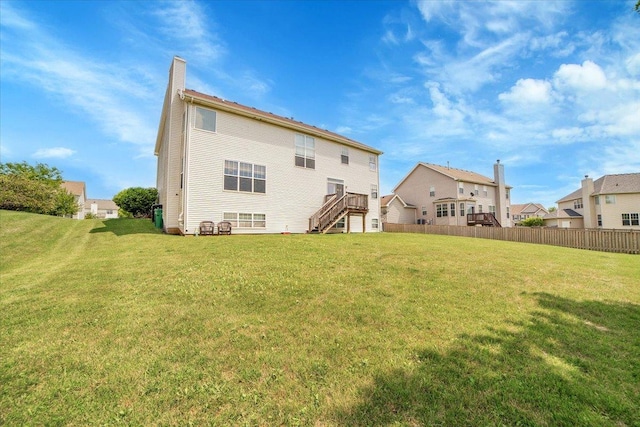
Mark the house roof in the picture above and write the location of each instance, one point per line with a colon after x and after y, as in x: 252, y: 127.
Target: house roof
x: 527, y: 208
x: 77, y: 188
x: 234, y: 107
x: 385, y: 201
x: 103, y: 204
x: 562, y: 213
x: 455, y: 174
x: 623, y: 183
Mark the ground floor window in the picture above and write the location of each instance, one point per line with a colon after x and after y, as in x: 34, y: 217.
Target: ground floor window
x: 599, y: 220
x: 630, y: 219
x: 374, y: 223
x: 245, y: 220
x: 442, y: 209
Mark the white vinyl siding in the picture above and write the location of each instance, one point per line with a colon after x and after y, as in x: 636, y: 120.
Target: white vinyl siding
x: 292, y: 194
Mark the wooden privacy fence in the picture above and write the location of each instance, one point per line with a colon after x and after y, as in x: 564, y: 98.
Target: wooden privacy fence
x: 622, y: 241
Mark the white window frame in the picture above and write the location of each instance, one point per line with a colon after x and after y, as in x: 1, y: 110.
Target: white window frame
x: 461, y: 188
x: 432, y: 191
x: 373, y: 162
x: 577, y: 204
x: 374, y: 191
x: 243, y: 173
x: 199, y: 121
x: 374, y: 223
x: 610, y: 199
x: 344, y: 156
x: 305, y: 151
x: 245, y: 219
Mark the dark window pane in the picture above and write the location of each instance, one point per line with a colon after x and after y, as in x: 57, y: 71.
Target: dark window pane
x: 230, y: 183
x: 245, y: 184
x: 299, y: 161
x: 259, y: 186
x: 311, y: 163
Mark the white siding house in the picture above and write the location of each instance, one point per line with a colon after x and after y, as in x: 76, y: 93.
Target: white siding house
x: 222, y: 161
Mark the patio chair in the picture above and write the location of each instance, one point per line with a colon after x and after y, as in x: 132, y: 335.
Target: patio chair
x: 207, y: 228
x: 224, y: 227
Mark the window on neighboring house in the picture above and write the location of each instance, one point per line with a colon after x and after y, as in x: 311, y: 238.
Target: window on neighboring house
x: 373, y: 162
x: 341, y: 223
x: 461, y: 208
x: 630, y: 219
x: 461, y: 188
x: 432, y: 191
x: 245, y: 220
x: 475, y: 190
x: 577, y: 204
x: 452, y: 207
x: 484, y: 190
x: 424, y: 211
x: 597, y: 200
x: 245, y: 177
x: 507, y: 194
x: 109, y: 212
x: 442, y: 210
x: 479, y: 208
x: 374, y: 191
x: 374, y: 223
x: 610, y: 199
x: 205, y: 119
x: 507, y: 212
x: 492, y: 209
x: 344, y: 157
x: 305, y: 151
x: 599, y: 220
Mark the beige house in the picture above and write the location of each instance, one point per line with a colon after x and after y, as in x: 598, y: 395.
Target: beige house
x: 523, y: 211
x: 396, y: 211
x: 79, y: 191
x: 101, y: 208
x: 444, y: 195
x: 222, y: 161
x: 611, y: 201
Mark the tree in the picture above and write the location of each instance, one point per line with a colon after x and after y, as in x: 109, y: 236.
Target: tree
x: 35, y: 189
x: 533, y: 221
x: 552, y: 209
x: 137, y: 200
x: 638, y: 6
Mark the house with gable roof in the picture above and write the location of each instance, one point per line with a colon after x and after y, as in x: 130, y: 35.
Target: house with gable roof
x: 520, y: 212
x: 394, y: 210
x: 222, y: 161
x: 79, y: 191
x: 101, y: 208
x: 611, y: 201
x: 448, y: 196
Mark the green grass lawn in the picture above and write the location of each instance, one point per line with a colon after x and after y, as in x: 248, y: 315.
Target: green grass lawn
x: 110, y: 322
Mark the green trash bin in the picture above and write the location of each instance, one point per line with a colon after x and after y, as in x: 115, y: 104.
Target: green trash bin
x: 158, y: 217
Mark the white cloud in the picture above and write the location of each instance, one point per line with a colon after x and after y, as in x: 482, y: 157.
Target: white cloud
x: 586, y: 77
x: 528, y: 91
x: 53, y: 153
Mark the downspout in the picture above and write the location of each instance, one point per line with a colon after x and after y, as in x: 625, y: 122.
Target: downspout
x: 185, y: 166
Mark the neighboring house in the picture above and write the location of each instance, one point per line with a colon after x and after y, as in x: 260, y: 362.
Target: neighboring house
x: 563, y: 218
x: 611, y: 201
x: 79, y: 191
x: 396, y: 211
x: 101, y: 208
x: 520, y: 212
x: 264, y: 173
x: 448, y: 196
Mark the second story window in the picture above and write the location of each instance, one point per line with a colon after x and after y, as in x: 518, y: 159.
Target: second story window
x: 432, y: 191
x: 461, y: 188
x: 577, y: 204
x: 374, y: 191
x: 373, y: 162
x: 305, y: 151
x: 205, y: 119
x: 245, y: 177
x: 344, y: 157
x: 610, y: 199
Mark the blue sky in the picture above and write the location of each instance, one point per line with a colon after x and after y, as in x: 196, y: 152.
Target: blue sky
x: 552, y: 89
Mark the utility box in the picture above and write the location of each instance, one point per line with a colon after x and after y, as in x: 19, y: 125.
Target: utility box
x: 157, y: 217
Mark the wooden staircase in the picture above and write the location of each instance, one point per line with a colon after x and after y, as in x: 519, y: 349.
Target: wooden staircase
x: 337, y: 207
x: 483, y: 219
